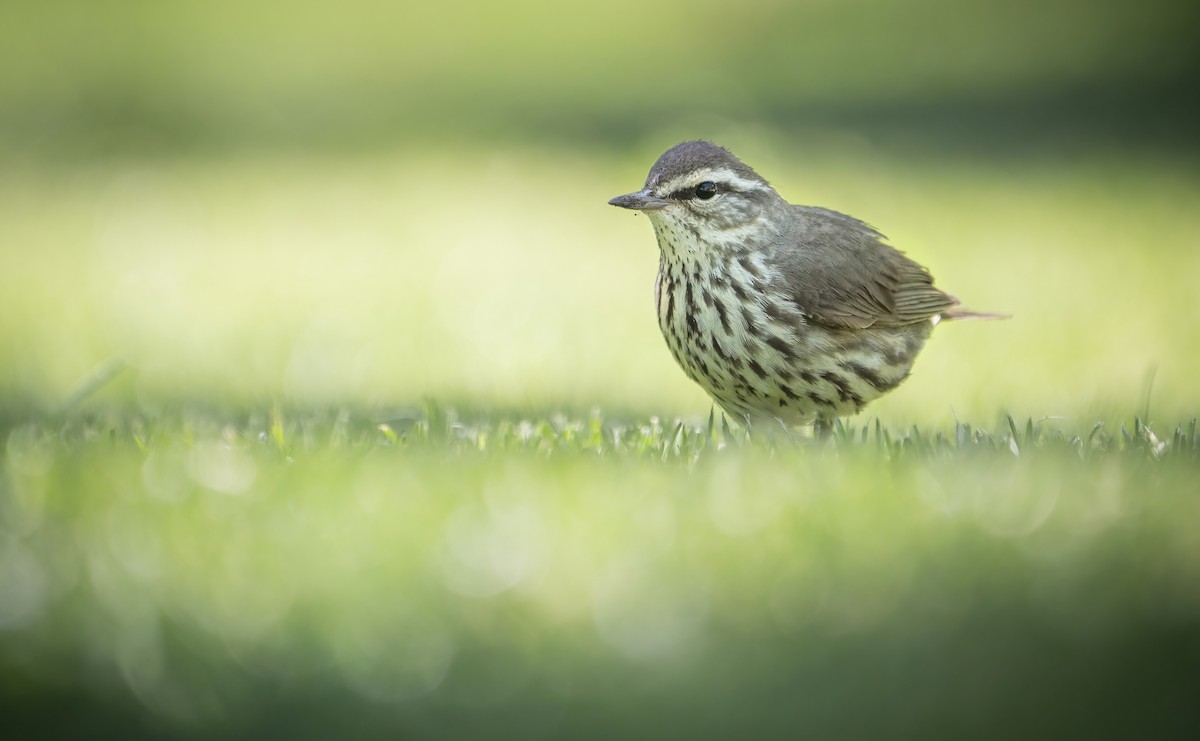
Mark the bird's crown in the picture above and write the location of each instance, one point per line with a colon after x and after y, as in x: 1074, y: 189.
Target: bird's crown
x: 684, y: 166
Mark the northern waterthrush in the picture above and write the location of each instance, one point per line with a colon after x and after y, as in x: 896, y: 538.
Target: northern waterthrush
x: 780, y: 312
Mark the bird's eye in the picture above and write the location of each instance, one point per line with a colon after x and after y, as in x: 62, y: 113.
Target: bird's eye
x: 706, y: 190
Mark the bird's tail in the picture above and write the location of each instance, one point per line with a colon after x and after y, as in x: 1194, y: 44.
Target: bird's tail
x: 957, y: 313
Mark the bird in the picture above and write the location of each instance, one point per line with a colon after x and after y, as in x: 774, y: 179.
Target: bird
x: 784, y: 314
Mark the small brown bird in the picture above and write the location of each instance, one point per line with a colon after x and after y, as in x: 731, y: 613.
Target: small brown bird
x: 780, y: 312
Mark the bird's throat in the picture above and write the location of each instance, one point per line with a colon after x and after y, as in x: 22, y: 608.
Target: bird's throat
x: 680, y: 241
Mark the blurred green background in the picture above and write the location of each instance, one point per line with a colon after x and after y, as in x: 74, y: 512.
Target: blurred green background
x: 383, y: 201
x: 369, y: 204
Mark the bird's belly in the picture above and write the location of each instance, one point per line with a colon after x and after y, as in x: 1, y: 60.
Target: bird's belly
x: 758, y: 357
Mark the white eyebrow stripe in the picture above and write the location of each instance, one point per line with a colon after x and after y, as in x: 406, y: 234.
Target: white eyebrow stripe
x: 722, y: 175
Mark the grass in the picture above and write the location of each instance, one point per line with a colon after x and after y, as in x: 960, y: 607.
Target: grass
x: 209, y: 571
x: 431, y: 428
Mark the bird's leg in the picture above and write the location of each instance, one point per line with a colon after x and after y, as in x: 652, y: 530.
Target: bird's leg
x: 822, y: 427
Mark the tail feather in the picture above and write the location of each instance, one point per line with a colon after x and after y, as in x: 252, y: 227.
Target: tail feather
x: 957, y: 313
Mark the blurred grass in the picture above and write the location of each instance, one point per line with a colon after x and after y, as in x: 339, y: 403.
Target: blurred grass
x: 233, y: 574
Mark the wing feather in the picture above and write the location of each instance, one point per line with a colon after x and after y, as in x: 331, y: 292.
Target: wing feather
x: 840, y: 273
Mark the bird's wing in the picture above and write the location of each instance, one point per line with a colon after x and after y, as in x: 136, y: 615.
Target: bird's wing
x: 841, y: 274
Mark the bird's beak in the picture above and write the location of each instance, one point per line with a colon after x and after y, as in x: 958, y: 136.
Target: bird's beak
x: 642, y: 200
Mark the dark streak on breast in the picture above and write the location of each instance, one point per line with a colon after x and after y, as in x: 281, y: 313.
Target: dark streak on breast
x: 842, y: 386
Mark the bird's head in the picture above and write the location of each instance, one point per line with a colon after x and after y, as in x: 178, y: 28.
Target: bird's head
x: 703, y: 189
